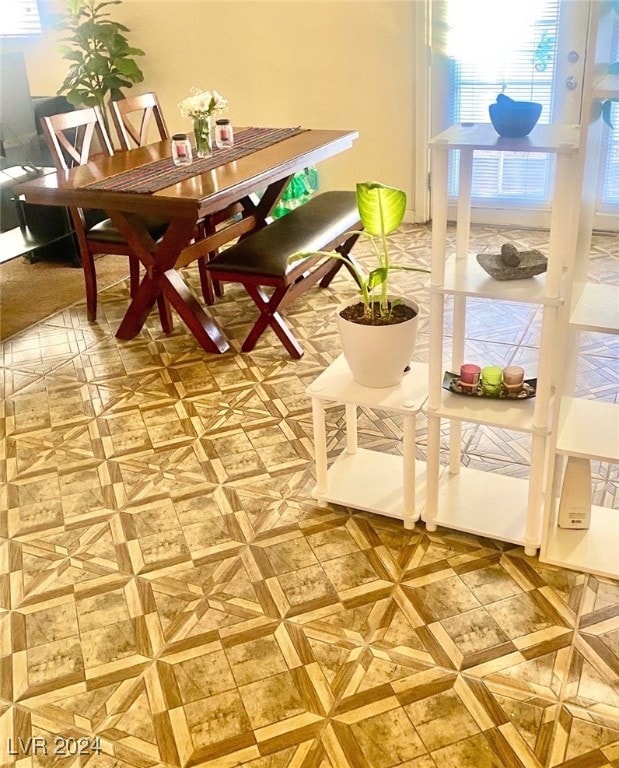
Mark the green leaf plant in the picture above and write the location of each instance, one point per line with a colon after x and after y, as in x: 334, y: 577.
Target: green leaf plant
x: 381, y: 210
x: 101, y: 59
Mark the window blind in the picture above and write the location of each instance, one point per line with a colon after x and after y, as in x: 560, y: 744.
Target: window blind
x: 20, y: 18
x: 608, y: 194
x: 498, y: 46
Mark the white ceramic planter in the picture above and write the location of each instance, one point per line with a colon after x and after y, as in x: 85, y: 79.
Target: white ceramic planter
x: 378, y: 354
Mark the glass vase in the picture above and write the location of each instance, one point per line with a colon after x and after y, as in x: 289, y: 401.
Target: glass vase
x: 202, y: 132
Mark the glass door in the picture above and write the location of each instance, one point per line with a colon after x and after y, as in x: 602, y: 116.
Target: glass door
x: 531, y: 50
x: 607, y: 213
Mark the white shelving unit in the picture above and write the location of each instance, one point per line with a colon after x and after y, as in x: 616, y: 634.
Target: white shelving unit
x: 366, y: 479
x: 501, y: 507
x: 586, y: 429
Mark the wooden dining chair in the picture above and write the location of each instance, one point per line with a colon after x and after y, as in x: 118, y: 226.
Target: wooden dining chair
x: 133, y: 118
x: 73, y: 138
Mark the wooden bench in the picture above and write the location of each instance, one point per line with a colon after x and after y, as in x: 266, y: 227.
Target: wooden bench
x: 260, y: 260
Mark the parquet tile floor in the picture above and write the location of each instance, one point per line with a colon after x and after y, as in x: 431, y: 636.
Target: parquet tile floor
x: 169, y: 586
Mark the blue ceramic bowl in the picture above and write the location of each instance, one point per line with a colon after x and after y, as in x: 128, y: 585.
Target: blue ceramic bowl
x: 514, y: 119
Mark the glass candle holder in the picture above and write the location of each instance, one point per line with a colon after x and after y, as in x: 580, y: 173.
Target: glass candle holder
x: 469, y: 376
x: 224, y: 136
x: 181, y: 149
x: 492, y: 380
x: 513, y: 378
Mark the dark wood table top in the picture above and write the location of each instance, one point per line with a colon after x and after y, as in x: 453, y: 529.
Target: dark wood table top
x: 197, y: 196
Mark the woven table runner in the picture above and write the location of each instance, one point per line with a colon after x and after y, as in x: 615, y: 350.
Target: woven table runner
x: 162, y: 173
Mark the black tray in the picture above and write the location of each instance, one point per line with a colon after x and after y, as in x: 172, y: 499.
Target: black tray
x: 451, y: 382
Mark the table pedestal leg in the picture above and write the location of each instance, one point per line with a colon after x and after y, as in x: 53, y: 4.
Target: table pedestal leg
x: 163, y: 280
x: 171, y: 284
x: 201, y: 325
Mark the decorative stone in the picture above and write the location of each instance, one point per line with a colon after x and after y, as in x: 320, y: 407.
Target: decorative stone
x: 509, y: 255
x: 530, y: 263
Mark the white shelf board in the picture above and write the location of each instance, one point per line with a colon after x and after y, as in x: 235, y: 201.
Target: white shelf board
x: 372, y: 481
x: 483, y: 503
x: 589, y: 429
x: 607, y: 87
x: 336, y: 383
x: 506, y: 414
x: 597, y: 308
x: 555, y: 138
x: 464, y: 276
x: 593, y: 550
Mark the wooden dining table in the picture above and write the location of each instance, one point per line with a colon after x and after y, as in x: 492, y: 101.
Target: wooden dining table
x: 144, y: 182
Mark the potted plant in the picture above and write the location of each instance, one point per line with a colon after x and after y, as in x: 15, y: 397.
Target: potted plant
x: 378, y: 333
x: 102, y: 61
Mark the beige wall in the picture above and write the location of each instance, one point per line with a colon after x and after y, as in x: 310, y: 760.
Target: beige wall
x: 318, y: 63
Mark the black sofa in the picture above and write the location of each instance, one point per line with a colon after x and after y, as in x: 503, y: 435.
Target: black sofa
x: 46, y: 230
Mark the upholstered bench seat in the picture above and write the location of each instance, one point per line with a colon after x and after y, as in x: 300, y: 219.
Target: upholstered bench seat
x: 311, y: 227
x: 326, y: 222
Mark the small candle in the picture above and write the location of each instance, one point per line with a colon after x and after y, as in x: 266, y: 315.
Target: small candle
x: 491, y: 380
x: 181, y: 149
x: 513, y: 375
x: 513, y: 379
x: 223, y: 133
x: 469, y: 375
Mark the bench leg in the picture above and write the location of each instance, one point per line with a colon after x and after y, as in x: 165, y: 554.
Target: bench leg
x: 270, y: 316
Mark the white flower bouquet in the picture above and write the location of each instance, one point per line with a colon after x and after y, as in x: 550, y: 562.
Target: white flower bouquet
x: 202, y: 103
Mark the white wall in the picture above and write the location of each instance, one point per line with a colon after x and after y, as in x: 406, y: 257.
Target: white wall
x: 341, y: 64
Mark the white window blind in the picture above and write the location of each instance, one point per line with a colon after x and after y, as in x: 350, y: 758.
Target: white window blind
x: 20, y: 18
x: 498, y: 46
x: 608, y: 194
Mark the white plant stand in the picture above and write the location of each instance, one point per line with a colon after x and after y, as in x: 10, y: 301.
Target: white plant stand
x: 585, y: 430
x: 364, y: 479
x: 474, y: 501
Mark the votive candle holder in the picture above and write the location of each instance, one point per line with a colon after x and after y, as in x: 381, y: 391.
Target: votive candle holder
x: 513, y: 378
x: 469, y: 376
x: 491, y: 380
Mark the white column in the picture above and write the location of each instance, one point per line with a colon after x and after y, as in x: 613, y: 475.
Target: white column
x: 320, y: 448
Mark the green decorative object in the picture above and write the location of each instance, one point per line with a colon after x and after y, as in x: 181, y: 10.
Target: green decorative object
x: 299, y: 190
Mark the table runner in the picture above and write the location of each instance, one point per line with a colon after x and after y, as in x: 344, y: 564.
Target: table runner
x: 159, y: 174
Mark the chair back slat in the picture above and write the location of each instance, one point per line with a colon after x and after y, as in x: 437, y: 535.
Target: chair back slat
x: 70, y: 137
x: 133, y: 117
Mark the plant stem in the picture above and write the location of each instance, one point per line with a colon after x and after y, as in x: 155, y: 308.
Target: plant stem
x: 384, y: 258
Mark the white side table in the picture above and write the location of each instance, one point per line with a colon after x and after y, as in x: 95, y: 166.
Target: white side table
x: 367, y: 479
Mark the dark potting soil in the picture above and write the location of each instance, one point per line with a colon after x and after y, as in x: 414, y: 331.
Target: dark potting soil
x: 356, y: 314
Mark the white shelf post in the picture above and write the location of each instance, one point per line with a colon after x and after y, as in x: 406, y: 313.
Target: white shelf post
x: 320, y: 448
x: 366, y: 479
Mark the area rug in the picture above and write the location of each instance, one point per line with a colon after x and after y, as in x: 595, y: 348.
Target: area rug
x: 31, y: 292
